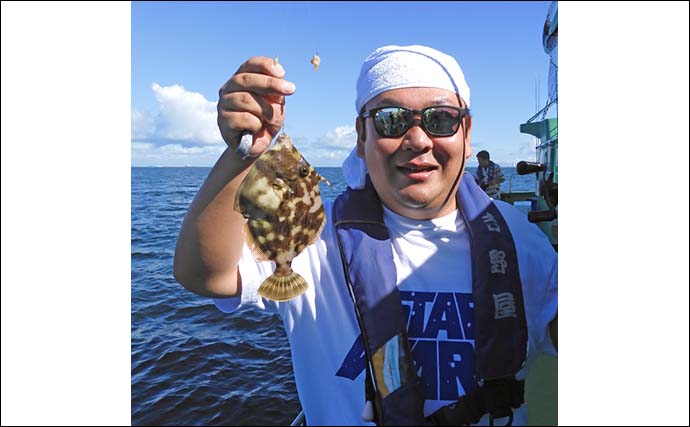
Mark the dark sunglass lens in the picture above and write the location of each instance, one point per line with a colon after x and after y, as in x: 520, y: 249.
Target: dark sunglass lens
x: 400, y: 120
x: 441, y: 121
x: 392, y: 122
x: 382, y: 123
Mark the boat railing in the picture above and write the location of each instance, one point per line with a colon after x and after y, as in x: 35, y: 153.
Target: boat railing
x: 299, y: 419
x: 510, y: 184
x: 543, y: 111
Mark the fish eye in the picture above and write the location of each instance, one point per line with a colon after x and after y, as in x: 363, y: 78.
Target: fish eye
x: 303, y: 171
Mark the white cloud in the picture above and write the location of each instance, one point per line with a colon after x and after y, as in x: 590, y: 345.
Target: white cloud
x: 342, y: 137
x: 323, y: 158
x: 179, y: 149
x: 141, y: 146
x: 329, y: 149
x: 525, y: 150
x: 143, y: 126
x: 183, y: 116
x: 184, y: 131
x: 148, y: 154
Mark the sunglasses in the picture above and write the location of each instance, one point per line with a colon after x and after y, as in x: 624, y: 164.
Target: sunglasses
x: 392, y: 122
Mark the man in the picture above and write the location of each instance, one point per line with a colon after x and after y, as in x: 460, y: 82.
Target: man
x: 412, y: 240
x: 489, y: 175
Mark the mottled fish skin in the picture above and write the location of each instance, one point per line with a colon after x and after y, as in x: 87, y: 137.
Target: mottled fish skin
x: 280, y: 197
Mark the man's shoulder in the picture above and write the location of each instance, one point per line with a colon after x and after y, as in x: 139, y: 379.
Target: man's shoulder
x: 534, y: 249
x: 520, y: 226
x: 514, y: 216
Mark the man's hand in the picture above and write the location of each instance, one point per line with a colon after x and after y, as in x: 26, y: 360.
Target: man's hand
x: 253, y: 100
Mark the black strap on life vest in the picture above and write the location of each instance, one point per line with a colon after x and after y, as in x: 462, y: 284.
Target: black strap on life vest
x: 501, y: 333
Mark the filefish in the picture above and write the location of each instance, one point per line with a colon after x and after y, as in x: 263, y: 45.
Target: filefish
x: 281, y: 200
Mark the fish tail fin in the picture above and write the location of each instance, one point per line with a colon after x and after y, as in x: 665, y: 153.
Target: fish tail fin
x: 283, y: 287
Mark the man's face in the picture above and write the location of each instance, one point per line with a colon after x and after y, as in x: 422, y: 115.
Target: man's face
x: 414, y: 174
x: 483, y: 161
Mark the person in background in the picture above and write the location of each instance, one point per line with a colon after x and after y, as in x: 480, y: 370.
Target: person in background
x: 417, y: 274
x: 489, y: 175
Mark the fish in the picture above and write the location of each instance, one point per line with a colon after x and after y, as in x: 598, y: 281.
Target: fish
x: 281, y: 200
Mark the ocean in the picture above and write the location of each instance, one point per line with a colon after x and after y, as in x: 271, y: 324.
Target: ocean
x: 191, y: 363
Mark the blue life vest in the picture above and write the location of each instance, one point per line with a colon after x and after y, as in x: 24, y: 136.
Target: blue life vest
x: 499, y: 315
x: 491, y: 172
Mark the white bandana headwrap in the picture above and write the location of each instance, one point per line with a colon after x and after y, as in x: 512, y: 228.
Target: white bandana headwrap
x: 394, y: 67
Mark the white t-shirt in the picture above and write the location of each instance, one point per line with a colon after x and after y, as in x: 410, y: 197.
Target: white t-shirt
x: 433, y: 265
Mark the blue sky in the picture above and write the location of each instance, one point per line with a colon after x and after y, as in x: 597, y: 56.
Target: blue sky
x: 182, y: 52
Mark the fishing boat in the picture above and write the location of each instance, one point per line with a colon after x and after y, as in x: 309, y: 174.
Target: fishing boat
x: 542, y: 204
